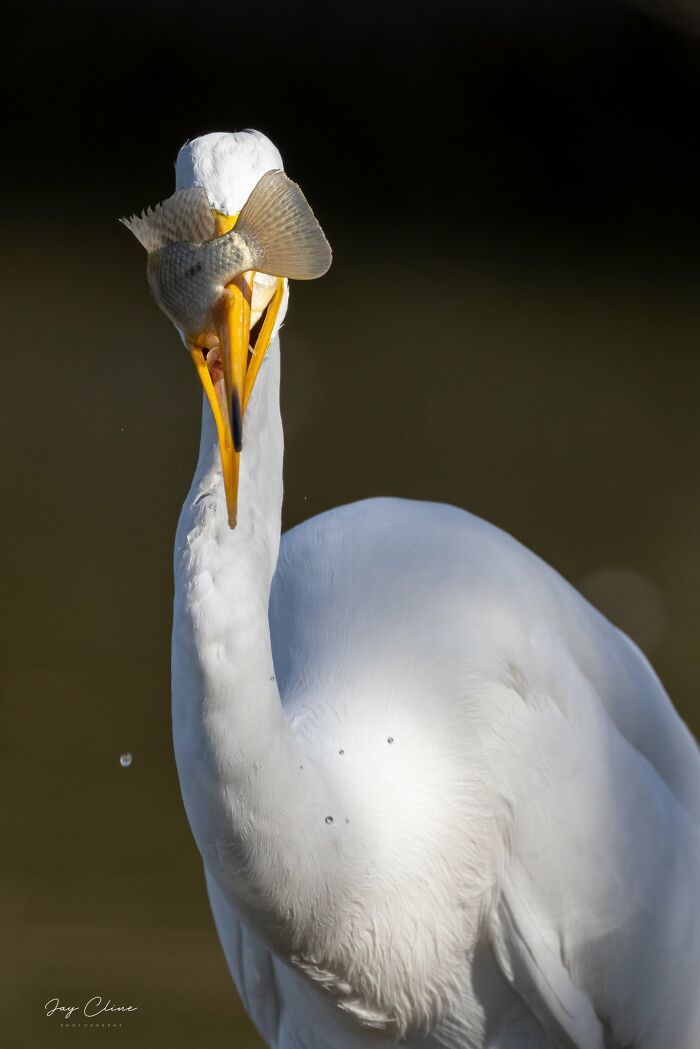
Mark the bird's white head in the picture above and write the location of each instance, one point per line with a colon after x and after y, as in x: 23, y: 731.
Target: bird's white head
x: 228, y: 166
x: 225, y: 288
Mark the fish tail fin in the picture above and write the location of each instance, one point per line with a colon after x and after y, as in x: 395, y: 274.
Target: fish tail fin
x: 184, y: 216
x: 281, y: 230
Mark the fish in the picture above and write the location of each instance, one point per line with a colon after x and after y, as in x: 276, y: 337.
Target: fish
x: 188, y: 266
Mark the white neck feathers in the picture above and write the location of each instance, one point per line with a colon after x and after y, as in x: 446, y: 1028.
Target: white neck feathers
x: 255, y: 804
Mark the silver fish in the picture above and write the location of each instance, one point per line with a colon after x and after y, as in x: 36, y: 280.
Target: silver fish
x: 188, y: 265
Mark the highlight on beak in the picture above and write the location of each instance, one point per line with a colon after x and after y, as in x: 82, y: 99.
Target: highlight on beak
x: 233, y: 331
x: 228, y: 365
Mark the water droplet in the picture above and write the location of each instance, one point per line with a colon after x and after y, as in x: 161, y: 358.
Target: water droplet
x: 301, y: 766
x: 341, y: 751
x: 329, y: 819
x: 390, y: 739
x: 125, y: 760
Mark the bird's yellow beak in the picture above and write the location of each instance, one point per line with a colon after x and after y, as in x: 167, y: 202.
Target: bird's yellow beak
x: 228, y: 365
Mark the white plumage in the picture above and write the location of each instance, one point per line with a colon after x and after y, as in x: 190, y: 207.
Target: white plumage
x: 439, y: 798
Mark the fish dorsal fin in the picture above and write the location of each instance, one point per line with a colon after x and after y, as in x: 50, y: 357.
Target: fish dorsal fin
x: 184, y: 216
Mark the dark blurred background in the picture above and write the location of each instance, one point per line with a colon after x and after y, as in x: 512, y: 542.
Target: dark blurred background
x: 537, y: 365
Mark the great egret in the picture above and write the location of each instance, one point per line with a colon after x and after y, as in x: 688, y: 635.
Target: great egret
x: 438, y: 797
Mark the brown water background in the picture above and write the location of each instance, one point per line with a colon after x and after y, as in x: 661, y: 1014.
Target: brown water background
x: 540, y: 368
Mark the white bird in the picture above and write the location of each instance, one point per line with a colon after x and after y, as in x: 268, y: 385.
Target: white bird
x: 439, y: 798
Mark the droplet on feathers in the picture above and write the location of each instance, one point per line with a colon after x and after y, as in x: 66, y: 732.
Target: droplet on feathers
x: 125, y: 760
x: 390, y: 739
x: 329, y: 819
x: 341, y: 751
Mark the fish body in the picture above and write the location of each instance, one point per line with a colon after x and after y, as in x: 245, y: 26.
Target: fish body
x: 186, y: 278
x: 188, y: 265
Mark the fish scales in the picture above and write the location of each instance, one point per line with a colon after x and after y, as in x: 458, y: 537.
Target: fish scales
x: 276, y: 233
x: 186, y: 279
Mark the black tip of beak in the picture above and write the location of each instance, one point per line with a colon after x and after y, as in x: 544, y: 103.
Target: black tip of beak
x: 236, y: 421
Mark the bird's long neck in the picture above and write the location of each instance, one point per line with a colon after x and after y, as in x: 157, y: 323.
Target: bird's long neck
x: 256, y: 806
